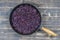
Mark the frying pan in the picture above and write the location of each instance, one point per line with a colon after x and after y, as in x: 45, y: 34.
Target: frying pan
x: 13, y: 23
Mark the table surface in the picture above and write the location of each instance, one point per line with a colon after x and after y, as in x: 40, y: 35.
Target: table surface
x: 50, y: 11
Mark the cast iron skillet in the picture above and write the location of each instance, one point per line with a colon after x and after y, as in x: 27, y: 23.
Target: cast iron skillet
x: 43, y: 28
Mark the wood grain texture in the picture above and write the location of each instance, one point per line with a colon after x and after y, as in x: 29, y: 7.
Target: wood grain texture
x: 52, y: 21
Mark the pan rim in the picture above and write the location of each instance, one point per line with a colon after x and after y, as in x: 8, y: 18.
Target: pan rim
x: 10, y: 18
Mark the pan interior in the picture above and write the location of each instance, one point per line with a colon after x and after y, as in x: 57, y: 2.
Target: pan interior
x: 25, y: 19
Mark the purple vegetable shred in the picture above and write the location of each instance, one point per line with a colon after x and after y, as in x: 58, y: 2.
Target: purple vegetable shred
x: 25, y: 19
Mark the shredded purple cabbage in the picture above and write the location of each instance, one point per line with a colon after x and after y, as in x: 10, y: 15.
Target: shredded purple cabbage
x: 25, y: 19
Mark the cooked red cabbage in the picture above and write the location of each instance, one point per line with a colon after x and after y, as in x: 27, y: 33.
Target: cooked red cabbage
x: 25, y: 19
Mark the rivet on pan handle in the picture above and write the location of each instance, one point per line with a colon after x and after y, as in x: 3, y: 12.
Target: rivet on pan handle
x: 49, y: 31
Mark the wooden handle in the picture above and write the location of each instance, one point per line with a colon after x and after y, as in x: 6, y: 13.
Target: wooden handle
x: 49, y: 31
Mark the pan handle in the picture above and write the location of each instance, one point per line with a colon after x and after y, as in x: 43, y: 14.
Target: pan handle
x: 49, y: 32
